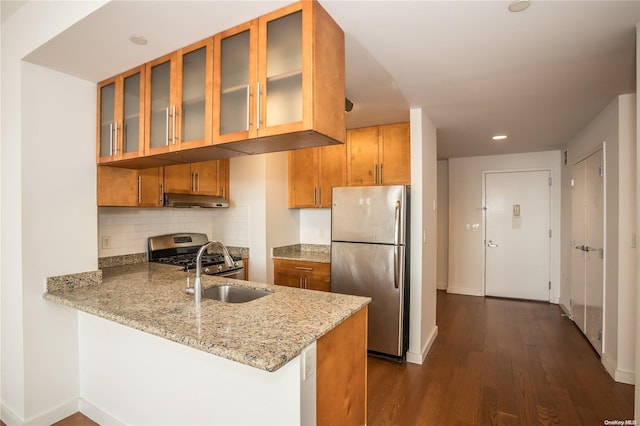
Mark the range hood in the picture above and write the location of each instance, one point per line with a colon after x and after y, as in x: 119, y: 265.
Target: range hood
x: 189, y: 200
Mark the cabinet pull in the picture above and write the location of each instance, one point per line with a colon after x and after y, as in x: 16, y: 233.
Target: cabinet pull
x: 303, y: 268
x: 166, y: 128
x: 173, y: 126
x: 197, y: 181
x: 248, y: 102
x: 139, y: 189
x: 315, y: 198
x: 115, y: 145
x: 258, y: 93
x: 110, y: 139
x: 193, y: 182
x: 380, y: 174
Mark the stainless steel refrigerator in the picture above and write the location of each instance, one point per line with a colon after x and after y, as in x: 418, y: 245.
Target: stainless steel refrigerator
x: 370, y: 257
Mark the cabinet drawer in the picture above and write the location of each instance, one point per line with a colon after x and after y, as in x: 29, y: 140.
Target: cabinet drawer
x: 301, y: 274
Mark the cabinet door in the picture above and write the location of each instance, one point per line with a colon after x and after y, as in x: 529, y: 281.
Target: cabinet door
x: 117, y: 186
x: 160, y: 106
x: 318, y: 276
x: 223, y: 179
x: 332, y: 171
x: 395, y: 154
x: 206, y: 177
x: 280, y: 70
x: 194, y: 79
x: 235, y: 109
x: 285, y: 274
x: 131, y: 114
x: 106, y: 120
x: 178, y: 179
x: 150, y: 187
x: 303, y: 178
x: 362, y: 156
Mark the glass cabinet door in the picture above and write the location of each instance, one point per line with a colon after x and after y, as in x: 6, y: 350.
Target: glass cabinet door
x: 195, y: 65
x: 235, y: 83
x: 107, y: 120
x: 131, y: 120
x: 161, y: 115
x: 283, y: 102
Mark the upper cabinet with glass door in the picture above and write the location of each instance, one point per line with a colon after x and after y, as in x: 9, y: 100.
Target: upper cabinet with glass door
x: 120, y: 132
x: 179, y: 99
x: 281, y: 74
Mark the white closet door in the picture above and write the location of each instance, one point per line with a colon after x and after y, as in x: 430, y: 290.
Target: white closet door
x: 595, y: 249
x: 587, y: 257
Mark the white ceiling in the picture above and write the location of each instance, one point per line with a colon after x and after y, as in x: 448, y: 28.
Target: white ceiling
x: 476, y: 69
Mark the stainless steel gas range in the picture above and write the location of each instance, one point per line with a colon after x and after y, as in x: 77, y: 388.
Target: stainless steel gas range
x: 181, y: 250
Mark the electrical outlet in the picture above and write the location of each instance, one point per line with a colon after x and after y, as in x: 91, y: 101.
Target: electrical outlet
x: 106, y: 241
x: 308, y: 363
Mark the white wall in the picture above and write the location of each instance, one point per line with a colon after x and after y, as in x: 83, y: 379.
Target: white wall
x: 132, y: 377
x: 47, y: 132
x: 315, y: 226
x: 466, y: 247
x: 615, y: 126
x: 422, y: 327
x: 443, y: 225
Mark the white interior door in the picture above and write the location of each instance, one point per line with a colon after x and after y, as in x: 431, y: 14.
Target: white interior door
x: 594, y: 249
x: 578, y: 233
x: 517, y: 231
x: 587, y: 257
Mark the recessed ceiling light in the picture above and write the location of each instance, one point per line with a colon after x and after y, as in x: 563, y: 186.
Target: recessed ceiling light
x: 138, y: 39
x: 518, y: 5
x: 499, y: 137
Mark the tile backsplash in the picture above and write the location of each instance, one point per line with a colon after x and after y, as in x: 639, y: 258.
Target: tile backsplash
x: 126, y: 230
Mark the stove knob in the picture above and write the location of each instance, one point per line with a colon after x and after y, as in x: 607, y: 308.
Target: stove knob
x: 219, y: 268
x: 206, y: 270
x: 236, y: 264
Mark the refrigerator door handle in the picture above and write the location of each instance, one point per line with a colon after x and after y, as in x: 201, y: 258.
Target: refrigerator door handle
x: 397, y: 223
x: 396, y: 269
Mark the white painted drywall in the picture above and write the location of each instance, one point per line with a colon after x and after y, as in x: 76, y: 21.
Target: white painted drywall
x: 47, y: 212
x: 315, y: 226
x: 132, y: 377
x: 466, y: 218
x: 422, y: 327
x: 443, y: 225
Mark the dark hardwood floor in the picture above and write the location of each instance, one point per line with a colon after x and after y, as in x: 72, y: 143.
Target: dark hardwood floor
x: 498, y: 362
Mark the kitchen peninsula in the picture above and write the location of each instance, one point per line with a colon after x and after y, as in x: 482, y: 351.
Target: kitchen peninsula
x: 292, y: 357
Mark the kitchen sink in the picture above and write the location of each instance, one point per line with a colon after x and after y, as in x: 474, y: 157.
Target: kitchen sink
x: 234, y: 294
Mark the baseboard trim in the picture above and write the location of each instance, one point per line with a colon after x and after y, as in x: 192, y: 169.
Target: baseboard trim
x: 97, y: 414
x: 48, y: 417
x: 442, y: 286
x: 467, y: 291
x: 418, y: 358
x: 621, y: 376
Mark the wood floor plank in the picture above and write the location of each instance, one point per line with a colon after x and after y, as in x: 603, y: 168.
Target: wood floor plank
x: 499, y: 362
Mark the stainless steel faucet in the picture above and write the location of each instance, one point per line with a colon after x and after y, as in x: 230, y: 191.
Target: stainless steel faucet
x: 197, y: 290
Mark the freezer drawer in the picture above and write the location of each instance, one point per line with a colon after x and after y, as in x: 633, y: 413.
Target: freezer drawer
x: 370, y: 214
x: 376, y: 271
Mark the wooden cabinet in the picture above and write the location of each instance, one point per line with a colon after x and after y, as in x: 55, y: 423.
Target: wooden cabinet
x: 129, y: 188
x: 120, y: 124
x: 379, y: 155
x: 302, y: 274
x: 312, y: 174
x: 179, y: 99
x: 203, y: 178
x: 281, y: 74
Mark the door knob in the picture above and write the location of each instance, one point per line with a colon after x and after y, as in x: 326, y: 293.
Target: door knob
x: 491, y: 244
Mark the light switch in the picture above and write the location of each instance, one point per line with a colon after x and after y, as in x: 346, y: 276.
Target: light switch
x: 516, y: 210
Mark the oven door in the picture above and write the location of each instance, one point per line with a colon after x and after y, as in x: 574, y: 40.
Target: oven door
x: 236, y: 274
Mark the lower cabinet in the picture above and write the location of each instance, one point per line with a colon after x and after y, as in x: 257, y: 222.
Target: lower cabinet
x: 302, y: 274
x: 129, y: 188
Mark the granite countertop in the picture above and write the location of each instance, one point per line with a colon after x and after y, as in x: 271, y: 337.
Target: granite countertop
x: 303, y: 252
x: 265, y: 333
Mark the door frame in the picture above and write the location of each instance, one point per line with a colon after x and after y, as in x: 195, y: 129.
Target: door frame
x: 552, y: 227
